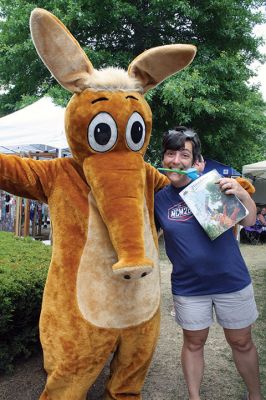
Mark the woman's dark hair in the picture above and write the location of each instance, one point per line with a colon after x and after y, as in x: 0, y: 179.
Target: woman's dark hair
x: 175, y: 139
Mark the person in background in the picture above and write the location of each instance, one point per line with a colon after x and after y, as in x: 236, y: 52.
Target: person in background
x: 261, y: 216
x: 200, y: 163
x: 263, y: 211
x: 207, y: 275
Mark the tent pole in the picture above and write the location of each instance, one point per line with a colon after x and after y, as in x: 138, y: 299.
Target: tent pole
x: 18, y: 216
x: 27, y: 218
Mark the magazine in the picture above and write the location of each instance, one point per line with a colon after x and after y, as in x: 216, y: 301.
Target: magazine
x: 215, y: 211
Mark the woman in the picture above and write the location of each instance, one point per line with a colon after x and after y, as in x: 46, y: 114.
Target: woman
x: 207, y: 275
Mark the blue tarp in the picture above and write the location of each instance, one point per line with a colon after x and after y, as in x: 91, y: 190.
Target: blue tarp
x: 223, y: 169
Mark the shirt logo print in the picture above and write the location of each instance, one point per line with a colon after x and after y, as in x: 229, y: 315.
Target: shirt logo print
x: 179, y: 212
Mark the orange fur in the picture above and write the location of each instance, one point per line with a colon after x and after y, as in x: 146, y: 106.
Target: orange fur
x: 101, y: 206
x: 246, y: 185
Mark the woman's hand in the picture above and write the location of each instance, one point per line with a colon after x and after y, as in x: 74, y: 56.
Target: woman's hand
x: 231, y: 186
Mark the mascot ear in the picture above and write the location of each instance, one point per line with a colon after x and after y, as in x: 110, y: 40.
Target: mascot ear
x: 156, y: 64
x: 59, y: 51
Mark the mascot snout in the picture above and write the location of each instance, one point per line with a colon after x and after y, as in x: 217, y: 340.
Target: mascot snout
x: 117, y: 183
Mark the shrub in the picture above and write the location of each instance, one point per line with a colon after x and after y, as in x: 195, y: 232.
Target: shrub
x: 23, y: 269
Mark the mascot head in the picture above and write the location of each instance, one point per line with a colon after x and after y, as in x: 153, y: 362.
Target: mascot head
x: 108, y: 126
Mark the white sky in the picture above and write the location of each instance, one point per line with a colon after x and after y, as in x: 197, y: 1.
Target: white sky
x: 260, y: 30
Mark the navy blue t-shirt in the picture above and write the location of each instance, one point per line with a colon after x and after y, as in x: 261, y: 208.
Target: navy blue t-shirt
x: 200, y: 266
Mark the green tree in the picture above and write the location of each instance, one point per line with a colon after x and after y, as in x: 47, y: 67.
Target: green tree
x: 211, y: 95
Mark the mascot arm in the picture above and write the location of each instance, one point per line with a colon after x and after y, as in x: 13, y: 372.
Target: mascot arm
x: 246, y: 185
x: 26, y: 177
x: 250, y: 189
x: 155, y: 177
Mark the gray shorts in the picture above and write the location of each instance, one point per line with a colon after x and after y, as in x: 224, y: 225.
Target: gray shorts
x: 235, y: 310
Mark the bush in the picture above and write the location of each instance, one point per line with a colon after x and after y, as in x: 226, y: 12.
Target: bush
x: 23, y: 270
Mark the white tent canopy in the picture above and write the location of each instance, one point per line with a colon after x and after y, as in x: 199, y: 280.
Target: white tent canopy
x: 257, y: 173
x: 41, y: 123
x: 256, y: 170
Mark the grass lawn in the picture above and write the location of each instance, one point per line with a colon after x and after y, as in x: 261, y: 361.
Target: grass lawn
x: 23, y: 270
x: 22, y: 252
x: 259, y: 283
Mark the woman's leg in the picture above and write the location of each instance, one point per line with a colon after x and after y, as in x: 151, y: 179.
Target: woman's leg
x: 236, y: 312
x: 245, y: 358
x: 195, y: 315
x: 192, y: 358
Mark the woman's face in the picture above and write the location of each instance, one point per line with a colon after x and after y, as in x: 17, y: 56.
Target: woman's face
x: 180, y: 159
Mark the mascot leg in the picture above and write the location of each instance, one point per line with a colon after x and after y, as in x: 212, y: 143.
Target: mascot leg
x: 74, y: 359
x: 132, y: 359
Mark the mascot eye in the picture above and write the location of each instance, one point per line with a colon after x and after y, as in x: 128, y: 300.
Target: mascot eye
x: 135, y: 132
x: 102, y: 132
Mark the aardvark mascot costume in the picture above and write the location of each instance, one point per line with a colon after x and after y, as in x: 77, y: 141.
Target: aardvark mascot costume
x: 102, y: 292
